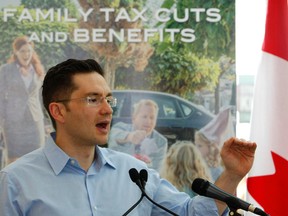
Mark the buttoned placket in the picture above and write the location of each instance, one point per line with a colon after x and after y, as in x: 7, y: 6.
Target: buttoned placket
x: 90, y: 174
x: 89, y: 189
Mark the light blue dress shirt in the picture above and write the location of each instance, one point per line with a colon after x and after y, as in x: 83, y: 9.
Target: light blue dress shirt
x: 48, y: 182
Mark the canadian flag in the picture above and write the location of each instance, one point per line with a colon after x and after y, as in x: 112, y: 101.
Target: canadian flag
x: 268, y: 179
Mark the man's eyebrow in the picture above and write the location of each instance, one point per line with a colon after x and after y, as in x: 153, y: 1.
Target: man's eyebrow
x: 98, y: 94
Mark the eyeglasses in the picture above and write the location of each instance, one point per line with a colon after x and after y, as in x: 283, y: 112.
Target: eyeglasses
x: 94, y: 100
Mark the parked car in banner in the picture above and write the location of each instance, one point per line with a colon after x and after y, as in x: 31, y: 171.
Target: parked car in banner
x: 177, y: 118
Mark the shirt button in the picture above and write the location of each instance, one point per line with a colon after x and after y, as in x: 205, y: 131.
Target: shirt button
x: 95, y: 207
x: 73, y: 162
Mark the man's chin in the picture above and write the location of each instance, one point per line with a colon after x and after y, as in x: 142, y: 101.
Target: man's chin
x: 102, y: 144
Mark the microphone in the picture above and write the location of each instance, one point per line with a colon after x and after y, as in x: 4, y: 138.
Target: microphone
x: 140, y: 180
x: 135, y: 177
x: 205, y: 188
x: 143, y: 177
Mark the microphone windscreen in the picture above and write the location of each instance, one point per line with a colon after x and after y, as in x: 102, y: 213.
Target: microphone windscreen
x: 134, y: 175
x: 144, y: 175
x: 200, y: 186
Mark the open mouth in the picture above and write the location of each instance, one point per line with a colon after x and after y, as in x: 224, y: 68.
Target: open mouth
x: 102, y: 125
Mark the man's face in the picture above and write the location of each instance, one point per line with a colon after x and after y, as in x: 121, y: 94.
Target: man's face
x: 145, y: 118
x: 85, y: 123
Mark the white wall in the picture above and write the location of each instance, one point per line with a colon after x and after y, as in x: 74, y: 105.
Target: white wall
x: 250, y: 25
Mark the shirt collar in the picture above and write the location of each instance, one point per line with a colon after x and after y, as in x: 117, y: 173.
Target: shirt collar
x: 55, y: 155
x: 103, y: 157
x: 58, y: 158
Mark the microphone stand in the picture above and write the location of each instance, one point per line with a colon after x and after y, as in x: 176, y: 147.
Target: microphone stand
x: 234, y: 212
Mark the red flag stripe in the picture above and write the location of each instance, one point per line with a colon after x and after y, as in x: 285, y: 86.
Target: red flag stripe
x: 276, y: 33
x: 269, y: 120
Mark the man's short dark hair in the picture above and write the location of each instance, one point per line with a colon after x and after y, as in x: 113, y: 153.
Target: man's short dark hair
x: 58, y: 82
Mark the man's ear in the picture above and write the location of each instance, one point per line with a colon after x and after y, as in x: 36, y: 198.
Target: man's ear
x: 57, y: 111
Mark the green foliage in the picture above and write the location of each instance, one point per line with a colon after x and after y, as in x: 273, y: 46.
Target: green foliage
x: 212, y: 39
x: 127, y: 78
x: 168, y: 4
x: 47, y: 4
x: 183, y: 68
x: 130, y: 3
x: 181, y: 73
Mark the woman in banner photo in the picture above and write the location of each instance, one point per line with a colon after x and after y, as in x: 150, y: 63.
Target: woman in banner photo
x: 182, y: 164
x: 20, y: 107
x: 140, y: 138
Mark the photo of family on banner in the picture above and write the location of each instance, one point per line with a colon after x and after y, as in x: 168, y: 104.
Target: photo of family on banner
x: 170, y: 66
x: 142, y: 53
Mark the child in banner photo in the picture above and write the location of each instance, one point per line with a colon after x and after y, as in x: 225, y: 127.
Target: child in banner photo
x: 183, y: 164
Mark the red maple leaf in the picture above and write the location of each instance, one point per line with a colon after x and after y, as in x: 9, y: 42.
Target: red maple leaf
x: 270, y: 191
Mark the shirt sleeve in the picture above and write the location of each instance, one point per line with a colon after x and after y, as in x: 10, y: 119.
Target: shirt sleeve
x: 8, y: 194
x: 179, y: 202
x: 203, y: 206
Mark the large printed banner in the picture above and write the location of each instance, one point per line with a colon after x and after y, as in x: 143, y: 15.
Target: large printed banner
x: 170, y: 62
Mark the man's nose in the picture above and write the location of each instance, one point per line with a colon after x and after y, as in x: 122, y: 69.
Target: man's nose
x: 105, y: 107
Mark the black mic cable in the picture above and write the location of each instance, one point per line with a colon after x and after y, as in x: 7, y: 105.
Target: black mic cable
x: 135, y: 177
x: 143, y: 178
x: 132, y: 207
